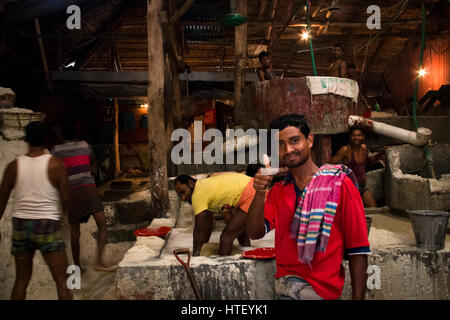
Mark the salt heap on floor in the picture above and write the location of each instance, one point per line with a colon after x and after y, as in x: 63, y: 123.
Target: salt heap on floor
x: 162, y: 222
x: 9, y: 150
x: 139, y: 253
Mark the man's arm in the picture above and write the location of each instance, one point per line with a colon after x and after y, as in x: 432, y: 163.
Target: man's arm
x: 358, y: 273
x: 374, y: 158
x: 63, y: 186
x: 8, y: 181
x: 202, y: 230
x: 340, y: 156
x: 255, y: 215
x: 343, y: 69
x: 260, y: 74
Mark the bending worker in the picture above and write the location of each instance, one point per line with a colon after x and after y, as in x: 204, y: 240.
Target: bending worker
x: 216, y: 194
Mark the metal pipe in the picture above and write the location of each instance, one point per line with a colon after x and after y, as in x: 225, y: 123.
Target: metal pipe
x: 419, y: 138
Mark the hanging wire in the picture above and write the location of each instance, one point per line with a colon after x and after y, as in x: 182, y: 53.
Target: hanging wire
x: 439, y: 53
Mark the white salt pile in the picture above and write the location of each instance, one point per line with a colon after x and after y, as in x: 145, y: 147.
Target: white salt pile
x: 9, y: 150
x: 13, y: 133
x: 154, y: 243
x: 10, y: 133
x: 161, y: 222
x: 21, y: 110
x: 139, y: 253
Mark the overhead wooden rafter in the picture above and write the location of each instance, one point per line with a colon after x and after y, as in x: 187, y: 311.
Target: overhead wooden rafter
x: 110, y: 26
x: 273, y: 12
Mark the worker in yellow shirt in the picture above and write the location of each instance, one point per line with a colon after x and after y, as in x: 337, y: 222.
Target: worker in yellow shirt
x: 215, y: 194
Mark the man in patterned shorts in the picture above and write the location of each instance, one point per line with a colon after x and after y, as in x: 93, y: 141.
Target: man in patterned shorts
x: 84, y: 198
x: 38, y: 183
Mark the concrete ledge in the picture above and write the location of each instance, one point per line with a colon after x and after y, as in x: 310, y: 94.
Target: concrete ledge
x: 405, y: 273
x: 225, y: 278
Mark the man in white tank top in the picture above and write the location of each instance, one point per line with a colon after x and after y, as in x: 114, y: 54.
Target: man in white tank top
x: 39, y: 187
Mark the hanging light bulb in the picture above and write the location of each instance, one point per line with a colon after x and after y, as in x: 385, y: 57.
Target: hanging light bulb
x: 305, y: 35
x: 422, y: 72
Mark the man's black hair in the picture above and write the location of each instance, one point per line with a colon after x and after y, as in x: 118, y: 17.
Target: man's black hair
x: 338, y: 45
x: 184, y: 179
x: 262, y: 54
x: 35, y: 133
x: 252, y: 169
x: 358, y: 128
x: 291, y: 120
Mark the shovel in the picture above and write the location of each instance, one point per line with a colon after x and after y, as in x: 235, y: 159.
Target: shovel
x: 188, y: 270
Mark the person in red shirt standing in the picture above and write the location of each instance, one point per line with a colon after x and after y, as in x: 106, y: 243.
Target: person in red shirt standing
x: 302, y: 273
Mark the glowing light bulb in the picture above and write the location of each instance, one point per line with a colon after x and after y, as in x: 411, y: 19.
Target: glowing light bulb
x: 422, y: 72
x: 305, y: 35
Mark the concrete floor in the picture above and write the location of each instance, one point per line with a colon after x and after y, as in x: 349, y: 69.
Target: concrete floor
x: 397, y: 223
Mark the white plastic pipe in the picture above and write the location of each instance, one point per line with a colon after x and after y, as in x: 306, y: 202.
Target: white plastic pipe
x: 418, y: 138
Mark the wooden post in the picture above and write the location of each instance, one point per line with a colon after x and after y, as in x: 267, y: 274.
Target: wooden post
x: 43, y: 55
x: 156, y: 137
x: 240, y: 58
x: 272, y: 18
x: 116, y: 137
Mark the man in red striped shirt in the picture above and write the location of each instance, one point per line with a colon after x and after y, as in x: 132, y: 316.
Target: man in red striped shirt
x: 84, y: 199
x: 323, y: 277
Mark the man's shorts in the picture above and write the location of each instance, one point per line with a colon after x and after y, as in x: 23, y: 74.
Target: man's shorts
x: 36, y: 234
x: 84, y: 201
x: 247, y: 197
x: 362, y: 188
x: 294, y: 288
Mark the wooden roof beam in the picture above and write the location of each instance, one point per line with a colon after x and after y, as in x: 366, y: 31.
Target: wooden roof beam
x: 118, y: 16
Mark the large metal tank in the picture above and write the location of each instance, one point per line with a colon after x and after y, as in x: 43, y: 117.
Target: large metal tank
x: 325, y: 113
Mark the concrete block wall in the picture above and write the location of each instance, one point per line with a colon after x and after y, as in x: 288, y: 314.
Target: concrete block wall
x: 406, y: 191
x: 405, y: 273
x: 224, y: 278
x: 375, y: 183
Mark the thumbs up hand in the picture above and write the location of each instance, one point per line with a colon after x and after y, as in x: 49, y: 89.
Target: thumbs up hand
x: 264, y: 176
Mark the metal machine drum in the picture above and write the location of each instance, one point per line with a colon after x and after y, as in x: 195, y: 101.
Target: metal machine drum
x: 326, y: 114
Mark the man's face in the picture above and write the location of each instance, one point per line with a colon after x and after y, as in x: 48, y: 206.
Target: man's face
x: 185, y: 190
x: 265, y: 61
x: 357, y: 137
x: 295, y: 149
x: 338, y: 52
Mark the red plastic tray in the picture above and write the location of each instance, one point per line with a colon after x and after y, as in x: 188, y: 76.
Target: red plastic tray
x: 260, y: 253
x: 148, y: 232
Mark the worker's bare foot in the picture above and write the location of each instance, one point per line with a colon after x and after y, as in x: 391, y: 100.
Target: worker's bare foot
x: 104, y: 268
